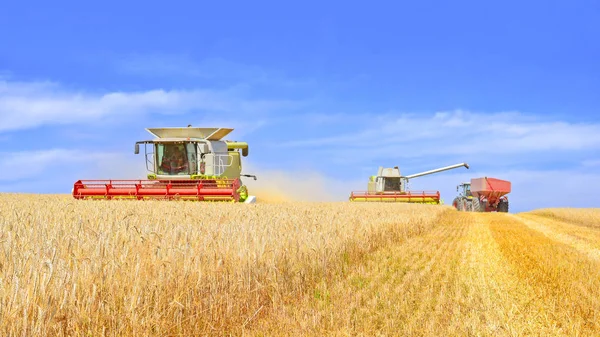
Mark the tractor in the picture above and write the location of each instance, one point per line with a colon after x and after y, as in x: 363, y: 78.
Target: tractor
x: 483, y: 195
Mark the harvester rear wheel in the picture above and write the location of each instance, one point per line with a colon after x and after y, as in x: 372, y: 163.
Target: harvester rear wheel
x: 503, y: 206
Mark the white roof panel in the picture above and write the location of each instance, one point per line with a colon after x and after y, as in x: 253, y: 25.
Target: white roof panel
x: 202, y: 133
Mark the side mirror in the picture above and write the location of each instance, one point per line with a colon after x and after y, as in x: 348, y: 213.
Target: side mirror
x: 137, y: 148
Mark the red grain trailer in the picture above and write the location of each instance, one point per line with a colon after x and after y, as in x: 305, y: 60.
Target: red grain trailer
x: 483, y: 195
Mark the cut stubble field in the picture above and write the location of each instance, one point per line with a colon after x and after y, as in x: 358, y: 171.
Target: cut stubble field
x: 120, y: 268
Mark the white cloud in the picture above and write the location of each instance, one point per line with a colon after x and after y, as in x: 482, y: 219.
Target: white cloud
x: 71, y: 164
x: 30, y: 104
x: 19, y: 165
x: 454, y: 133
x: 591, y: 163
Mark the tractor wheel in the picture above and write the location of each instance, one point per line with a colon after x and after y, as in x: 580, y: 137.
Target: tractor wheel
x: 456, y: 203
x: 503, y: 206
x: 478, y: 206
x: 466, y: 205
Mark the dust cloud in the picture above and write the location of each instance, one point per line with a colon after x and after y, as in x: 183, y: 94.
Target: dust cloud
x: 277, y: 186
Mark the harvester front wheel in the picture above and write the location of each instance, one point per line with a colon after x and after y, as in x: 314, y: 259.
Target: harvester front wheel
x: 503, y: 206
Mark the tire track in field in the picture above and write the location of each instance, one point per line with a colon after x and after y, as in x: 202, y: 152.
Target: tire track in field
x: 450, y: 281
x: 565, y: 281
x: 392, y: 291
x: 385, y: 285
x: 585, y: 239
x: 426, y: 292
x: 504, y: 305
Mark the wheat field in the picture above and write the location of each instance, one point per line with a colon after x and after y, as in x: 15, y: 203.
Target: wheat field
x: 152, y: 268
x: 156, y: 268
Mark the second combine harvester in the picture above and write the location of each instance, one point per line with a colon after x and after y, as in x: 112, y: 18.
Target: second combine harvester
x: 390, y: 185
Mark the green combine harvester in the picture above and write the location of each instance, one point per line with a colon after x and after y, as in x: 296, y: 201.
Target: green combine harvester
x: 184, y: 164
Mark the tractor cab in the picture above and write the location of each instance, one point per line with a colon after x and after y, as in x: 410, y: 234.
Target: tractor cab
x: 464, y: 190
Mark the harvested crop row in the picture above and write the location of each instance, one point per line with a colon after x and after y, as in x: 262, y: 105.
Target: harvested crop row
x: 177, y: 268
x: 589, y: 217
x: 412, y: 288
x: 379, y: 294
x: 583, y: 238
x: 473, y: 274
x: 566, y: 282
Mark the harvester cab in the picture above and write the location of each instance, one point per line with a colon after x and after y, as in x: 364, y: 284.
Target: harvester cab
x: 183, y: 163
x: 390, y: 185
x: 192, y: 153
x: 386, y: 180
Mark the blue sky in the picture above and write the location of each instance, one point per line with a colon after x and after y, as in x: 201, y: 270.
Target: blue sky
x: 324, y: 93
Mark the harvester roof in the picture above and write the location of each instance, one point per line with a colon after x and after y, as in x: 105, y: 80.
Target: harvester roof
x: 189, y: 132
x: 389, y: 172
